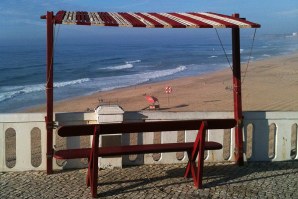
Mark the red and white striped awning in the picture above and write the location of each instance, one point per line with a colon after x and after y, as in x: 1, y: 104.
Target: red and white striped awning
x: 153, y: 20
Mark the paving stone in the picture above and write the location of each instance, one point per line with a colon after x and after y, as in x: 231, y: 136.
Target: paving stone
x: 254, y: 180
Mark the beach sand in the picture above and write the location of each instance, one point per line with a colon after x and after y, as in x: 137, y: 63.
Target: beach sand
x: 267, y: 85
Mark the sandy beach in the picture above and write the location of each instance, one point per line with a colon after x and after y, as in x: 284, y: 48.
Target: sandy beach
x: 267, y: 85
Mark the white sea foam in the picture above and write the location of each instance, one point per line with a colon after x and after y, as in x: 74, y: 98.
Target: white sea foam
x: 10, y: 92
x: 129, y: 80
x: 132, y: 62
x: 266, y: 55
x: 120, y: 67
x: 163, y: 73
x: 229, y: 52
x: 68, y: 83
x: 213, y: 56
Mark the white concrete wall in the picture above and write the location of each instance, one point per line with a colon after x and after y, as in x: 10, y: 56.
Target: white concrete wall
x: 282, y: 139
x: 23, y: 123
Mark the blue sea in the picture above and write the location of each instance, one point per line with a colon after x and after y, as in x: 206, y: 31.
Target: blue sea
x: 82, y: 68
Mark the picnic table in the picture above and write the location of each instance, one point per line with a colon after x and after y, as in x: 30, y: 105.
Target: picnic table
x: 195, y: 150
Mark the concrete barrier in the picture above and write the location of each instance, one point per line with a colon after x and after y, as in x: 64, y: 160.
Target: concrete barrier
x: 264, y: 133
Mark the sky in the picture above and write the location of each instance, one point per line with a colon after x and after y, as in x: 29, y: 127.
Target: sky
x: 20, y: 19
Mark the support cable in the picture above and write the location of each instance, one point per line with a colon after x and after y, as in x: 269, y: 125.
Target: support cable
x: 54, y: 46
x: 223, y: 48
x: 250, y: 53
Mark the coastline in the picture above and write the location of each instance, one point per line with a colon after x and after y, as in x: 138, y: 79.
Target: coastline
x: 268, y: 85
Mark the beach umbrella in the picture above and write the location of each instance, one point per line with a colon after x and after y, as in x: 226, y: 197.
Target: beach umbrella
x: 151, y: 99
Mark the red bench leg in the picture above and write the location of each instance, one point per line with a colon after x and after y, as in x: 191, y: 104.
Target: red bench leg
x: 201, y: 155
x: 88, y: 171
x: 188, y: 167
x: 198, y: 149
x: 92, y: 175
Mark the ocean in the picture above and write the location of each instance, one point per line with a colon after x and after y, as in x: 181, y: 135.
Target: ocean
x: 82, y: 68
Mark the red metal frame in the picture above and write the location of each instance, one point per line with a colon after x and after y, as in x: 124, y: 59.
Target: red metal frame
x: 49, y: 90
x: 198, y: 149
x: 237, y: 94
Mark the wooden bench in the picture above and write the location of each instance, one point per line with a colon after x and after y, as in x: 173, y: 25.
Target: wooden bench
x: 194, y: 149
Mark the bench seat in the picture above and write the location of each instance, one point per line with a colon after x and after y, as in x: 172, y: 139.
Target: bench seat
x: 133, y: 149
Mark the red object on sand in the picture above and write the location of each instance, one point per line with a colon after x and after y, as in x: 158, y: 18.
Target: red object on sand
x: 151, y: 99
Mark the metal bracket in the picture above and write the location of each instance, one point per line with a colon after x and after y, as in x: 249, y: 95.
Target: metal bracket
x: 52, y: 125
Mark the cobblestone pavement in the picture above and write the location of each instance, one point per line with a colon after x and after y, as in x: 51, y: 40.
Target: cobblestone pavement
x: 254, y: 180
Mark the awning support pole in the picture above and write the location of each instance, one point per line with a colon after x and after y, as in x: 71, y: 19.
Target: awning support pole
x: 49, y: 91
x: 237, y: 94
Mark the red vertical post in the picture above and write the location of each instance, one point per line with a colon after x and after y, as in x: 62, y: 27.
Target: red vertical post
x: 237, y: 93
x: 49, y: 90
x: 94, y: 158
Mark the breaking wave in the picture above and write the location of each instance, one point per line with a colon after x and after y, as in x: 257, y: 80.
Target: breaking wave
x: 132, y: 62
x: 120, y: 67
x: 130, y: 80
x: 10, y: 92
